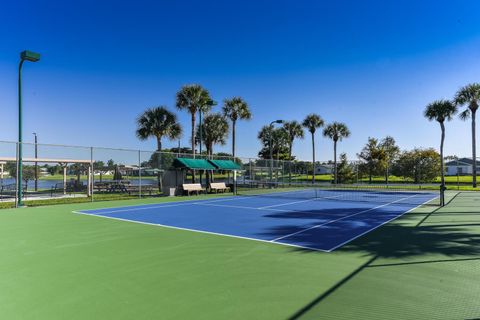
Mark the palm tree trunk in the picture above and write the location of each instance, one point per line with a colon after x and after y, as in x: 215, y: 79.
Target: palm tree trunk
x: 209, y: 174
x: 159, y: 149
x: 193, y: 143
x: 474, y: 150
x: 290, y: 146
x: 313, y: 157
x: 442, y: 125
x: 335, y: 161
x: 370, y: 174
x: 233, y: 140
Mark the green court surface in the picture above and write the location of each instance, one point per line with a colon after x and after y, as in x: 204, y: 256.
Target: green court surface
x: 55, y: 264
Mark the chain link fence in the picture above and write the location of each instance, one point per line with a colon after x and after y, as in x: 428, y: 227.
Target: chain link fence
x: 95, y: 173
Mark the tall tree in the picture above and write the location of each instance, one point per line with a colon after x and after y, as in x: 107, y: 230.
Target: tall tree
x: 441, y: 110
x: 312, y: 122
x: 236, y: 109
x: 294, y: 130
x: 279, y: 142
x: 419, y: 165
x: 470, y: 96
x: 391, y: 152
x: 194, y: 98
x: 336, y: 131
x: 158, y: 122
x: 214, y: 131
x: 372, y: 156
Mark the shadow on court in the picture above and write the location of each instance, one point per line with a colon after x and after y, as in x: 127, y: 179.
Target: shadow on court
x: 416, y: 239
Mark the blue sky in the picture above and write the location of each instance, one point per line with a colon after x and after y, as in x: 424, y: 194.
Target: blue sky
x: 371, y: 64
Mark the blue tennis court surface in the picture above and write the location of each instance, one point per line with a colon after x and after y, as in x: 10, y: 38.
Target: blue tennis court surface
x: 313, y: 223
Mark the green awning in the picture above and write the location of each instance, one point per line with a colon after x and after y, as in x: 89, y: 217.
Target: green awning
x: 196, y: 164
x: 225, y: 164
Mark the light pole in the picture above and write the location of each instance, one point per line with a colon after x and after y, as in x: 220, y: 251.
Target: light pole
x: 200, y: 137
x: 32, y: 57
x: 36, y: 163
x: 271, y: 148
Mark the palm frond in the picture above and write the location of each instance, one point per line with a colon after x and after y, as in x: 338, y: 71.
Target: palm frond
x: 236, y: 108
x: 312, y: 122
x: 440, y: 110
x: 158, y: 122
x: 465, y: 114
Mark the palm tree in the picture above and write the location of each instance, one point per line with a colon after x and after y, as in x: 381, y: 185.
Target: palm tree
x: 336, y: 131
x: 312, y: 122
x: 214, y: 131
x: 194, y: 98
x: 158, y: 122
x: 236, y: 109
x: 470, y: 96
x: 294, y: 130
x: 441, y: 110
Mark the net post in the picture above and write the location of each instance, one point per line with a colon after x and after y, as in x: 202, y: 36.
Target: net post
x: 442, y: 195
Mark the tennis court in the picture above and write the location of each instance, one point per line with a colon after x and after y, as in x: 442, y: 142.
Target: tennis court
x: 313, y: 219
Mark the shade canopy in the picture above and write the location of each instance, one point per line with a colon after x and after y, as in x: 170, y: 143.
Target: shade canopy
x: 202, y: 164
x: 225, y: 164
x: 195, y: 164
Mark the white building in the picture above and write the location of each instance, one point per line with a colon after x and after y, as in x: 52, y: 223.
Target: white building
x: 462, y: 166
x: 323, y: 169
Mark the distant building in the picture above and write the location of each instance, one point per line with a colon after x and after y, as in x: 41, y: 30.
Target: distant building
x: 323, y: 169
x: 462, y: 166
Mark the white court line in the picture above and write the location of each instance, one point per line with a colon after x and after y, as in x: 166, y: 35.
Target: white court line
x: 341, y: 218
x: 370, y: 230
x: 201, y: 231
x: 225, y: 206
x: 301, y: 201
x: 158, y: 205
x: 247, y: 238
x: 136, y: 208
x: 286, y: 204
x: 253, y: 208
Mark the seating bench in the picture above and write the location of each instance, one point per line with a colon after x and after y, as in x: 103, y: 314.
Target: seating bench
x: 136, y: 189
x: 11, y: 189
x: 192, y: 187
x: 219, y: 186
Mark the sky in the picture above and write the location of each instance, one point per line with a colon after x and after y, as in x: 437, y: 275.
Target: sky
x: 373, y: 65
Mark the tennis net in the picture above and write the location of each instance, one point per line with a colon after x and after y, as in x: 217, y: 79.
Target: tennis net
x: 393, y: 194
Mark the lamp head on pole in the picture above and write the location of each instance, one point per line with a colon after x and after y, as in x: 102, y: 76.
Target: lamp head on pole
x: 30, y: 56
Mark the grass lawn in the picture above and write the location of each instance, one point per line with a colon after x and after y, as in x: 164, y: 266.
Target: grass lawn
x: 59, y: 265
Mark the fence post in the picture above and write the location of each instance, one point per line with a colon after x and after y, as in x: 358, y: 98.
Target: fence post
x: 91, y: 175
x: 16, y: 177
x: 139, y: 174
x: 458, y: 177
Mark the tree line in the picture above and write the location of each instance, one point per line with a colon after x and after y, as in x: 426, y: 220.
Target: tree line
x: 159, y: 122
x: 444, y: 110
x: 279, y: 141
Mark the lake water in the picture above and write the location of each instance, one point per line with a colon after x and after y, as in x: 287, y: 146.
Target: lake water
x: 48, y: 184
